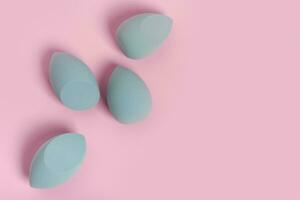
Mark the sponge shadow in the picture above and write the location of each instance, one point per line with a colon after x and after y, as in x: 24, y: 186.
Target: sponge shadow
x: 45, y: 62
x: 104, y: 75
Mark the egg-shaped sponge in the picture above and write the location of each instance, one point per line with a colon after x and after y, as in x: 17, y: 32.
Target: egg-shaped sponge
x: 73, y: 82
x: 142, y: 34
x: 128, y: 97
x: 57, y: 160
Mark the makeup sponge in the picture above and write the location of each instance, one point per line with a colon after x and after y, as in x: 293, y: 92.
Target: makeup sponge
x: 128, y: 97
x: 142, y: 34
x: 57, y: 160
x: 73, y: 82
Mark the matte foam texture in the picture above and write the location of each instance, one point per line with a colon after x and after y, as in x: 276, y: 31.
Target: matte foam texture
x: 128, y: 97
x: 142, y: 34
x: 57, y: 160
x: 73, y: 82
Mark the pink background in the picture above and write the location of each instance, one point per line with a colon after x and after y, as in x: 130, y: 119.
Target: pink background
x: 225, y: 85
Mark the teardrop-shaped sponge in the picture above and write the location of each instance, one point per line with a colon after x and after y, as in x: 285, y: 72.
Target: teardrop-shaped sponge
x: 57, y: 160
x: 128, y: 97
x: 73, y: 82
x: 142, y: 34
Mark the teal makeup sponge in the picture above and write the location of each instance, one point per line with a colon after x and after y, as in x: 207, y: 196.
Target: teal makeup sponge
x: 57, y: 160
x: 128, y: 97
x: 73, y: 82
x: 142, y: 34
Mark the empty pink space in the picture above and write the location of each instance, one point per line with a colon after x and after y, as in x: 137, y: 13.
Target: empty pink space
x: 226, y: 100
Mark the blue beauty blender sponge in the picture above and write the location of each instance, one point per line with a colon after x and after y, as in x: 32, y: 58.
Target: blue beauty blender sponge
x: 142, y: 34
x: 57, y: 160
x: 73, y: 82
x: 128, y: 97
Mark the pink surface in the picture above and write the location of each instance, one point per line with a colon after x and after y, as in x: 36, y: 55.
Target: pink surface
x: 225, y: 86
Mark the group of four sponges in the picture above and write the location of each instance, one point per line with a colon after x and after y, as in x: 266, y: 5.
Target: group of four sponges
x: 128, y: 97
